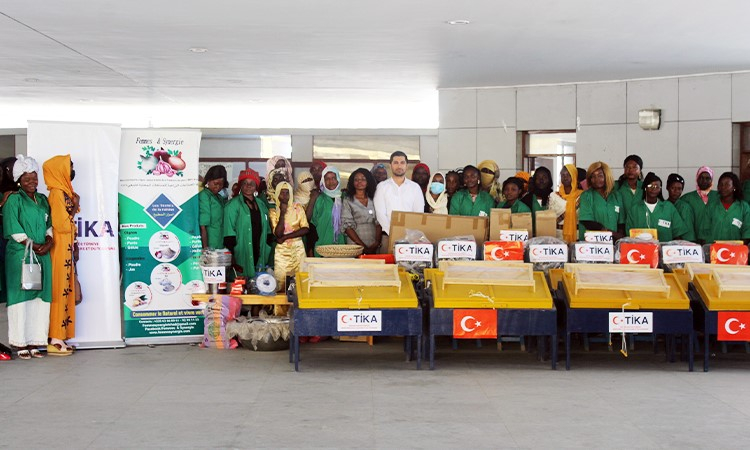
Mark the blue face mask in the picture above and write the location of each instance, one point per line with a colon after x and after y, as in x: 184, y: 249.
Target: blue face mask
x: 437, y: 188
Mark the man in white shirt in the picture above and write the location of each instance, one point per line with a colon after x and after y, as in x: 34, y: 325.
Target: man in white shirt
x: 396, y: 194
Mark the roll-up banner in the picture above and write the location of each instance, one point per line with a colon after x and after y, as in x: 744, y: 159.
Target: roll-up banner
x: 94, y: 149
x: 159, y: 236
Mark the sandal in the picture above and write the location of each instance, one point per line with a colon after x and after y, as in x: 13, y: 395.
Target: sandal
x: 24, y: 354
x: 58, y: 350
x: 35, y: 353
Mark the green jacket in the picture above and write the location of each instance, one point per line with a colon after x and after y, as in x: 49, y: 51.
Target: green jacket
x: 322, y: 218
x: 518, y: 207
x: 593, y: 207
x: 628, y: 197
x: 238, y: 223
x: 211, y: 216
x: 462, y: 205
x: 731, y: 224
x: 701, y: 216
x: 665, y: 219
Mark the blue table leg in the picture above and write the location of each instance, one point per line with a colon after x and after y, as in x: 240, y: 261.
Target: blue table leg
x: 567, y: 350
x: 553, y: 339
x: 432, y: 351
x: 706, y: 349
x: 296, y: 353
x: 419, y: 352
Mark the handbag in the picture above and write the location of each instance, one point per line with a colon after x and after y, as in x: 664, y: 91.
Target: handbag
x: 79, y: 294
x: 31, y: 271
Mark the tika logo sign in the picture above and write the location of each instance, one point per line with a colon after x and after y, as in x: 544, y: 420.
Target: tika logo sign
x: 631, y: 322
x: 359, y: 320
x: 548, y: 253
x: 413, y: 252
x: 729, y: 254
x: 733, y: 326
x: 457, y: 249
x: 678, y: 254
x: 639, y: 254
x: 586, y: 251
x: 475, y: 324
x: 214, y: 274
x: 597, y: 236
x: 514, y: 235
x: 503, y: 251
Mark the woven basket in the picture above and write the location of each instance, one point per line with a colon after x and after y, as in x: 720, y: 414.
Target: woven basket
x: 339, y: 251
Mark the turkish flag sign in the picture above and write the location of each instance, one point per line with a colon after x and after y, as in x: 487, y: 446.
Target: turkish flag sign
x: 475, y: 323
x: 639, y: 254
x: 503, y: 251
x: 733, y: 254
x: 734, y: 326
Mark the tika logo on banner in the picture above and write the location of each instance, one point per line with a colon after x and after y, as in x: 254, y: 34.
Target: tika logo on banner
x: 729, y: 254
x: 548, y: 253
x: 587, y: 251
x: 475, y: 323
x: 597, y: 236
x: 678, y: 254
x: 639, y: 254
x: 413, y: 252
x: 503, y: 251
x: 514, y: 235
x: 733, y: 326
x: 457, y: 249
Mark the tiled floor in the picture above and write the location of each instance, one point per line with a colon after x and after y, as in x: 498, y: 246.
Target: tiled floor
x: 350, y: 396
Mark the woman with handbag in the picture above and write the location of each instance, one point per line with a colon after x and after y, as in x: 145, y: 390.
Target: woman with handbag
x: 64, y: 204
x: 28, y: 228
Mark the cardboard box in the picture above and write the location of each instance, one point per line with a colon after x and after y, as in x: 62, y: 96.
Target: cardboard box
x: 546, y: 223
x: 437, y: 226
x: 499, y: 220
x: 522, y: 221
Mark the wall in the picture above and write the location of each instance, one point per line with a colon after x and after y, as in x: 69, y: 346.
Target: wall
x: 697, y: 117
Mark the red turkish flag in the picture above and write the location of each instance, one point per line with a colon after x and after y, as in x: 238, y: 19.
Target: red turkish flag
x: 475, y: 323
x: 642, y: 253
x: 503, y: 251
x: 734, y: 326
x: 732, y: 254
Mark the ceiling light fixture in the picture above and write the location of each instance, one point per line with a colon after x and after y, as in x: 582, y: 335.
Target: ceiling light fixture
x: 198, y: 49
x: 458, y: 22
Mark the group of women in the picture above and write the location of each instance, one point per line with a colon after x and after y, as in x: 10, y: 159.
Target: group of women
x: 40, y: 232
x: 272, y: 223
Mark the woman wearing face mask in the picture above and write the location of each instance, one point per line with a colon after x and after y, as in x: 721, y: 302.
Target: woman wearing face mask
x: 472, y: 200
x: 489, y: 172
x: 675, y: 186
x: 730, y: 214
x: 358, y: 219
x: 246, y: 226
x: 654, y: 212
x: 326, y: 212
x: 64, y: 204
x: 289, y: 224
x: 436, y: 197
x: 26, y: 220
x: 305, y: 185
x: 601, y: 206
x: 512, y: 188
x: 211, y: 207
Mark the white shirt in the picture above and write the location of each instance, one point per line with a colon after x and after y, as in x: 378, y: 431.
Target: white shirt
x: 391, y: 197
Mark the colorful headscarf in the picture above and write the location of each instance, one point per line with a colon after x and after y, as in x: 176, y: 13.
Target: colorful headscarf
x: 487, y: 179
x: 25, y: 164
x: 305, y: 184
x: 271, y: 165
x: 335, y: 194
x: 525, y: 176
x: 269, y: 183
x: 249, y: 174
x: 570, y: 225
x: 429, y: 175
x: 280, y: 187
x: 57, y: 174
x: 702, y: 194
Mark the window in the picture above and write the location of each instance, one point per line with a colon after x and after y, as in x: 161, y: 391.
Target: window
x: 348, y: 153
x: 551, y: 149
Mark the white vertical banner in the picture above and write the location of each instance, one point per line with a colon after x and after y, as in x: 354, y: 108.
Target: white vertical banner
x: 95, y: 151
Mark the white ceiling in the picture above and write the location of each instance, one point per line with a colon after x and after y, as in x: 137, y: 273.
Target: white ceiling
x: 335, y: 63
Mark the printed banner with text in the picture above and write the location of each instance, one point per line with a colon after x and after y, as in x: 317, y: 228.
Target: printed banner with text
x: 94, y: 150
x: 159, y: 235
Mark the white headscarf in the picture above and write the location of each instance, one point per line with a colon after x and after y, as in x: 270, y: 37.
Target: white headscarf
x: 24, y: 164
x: 439, y: 206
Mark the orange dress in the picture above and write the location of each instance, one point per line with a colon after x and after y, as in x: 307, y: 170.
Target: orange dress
x: 63, y: 306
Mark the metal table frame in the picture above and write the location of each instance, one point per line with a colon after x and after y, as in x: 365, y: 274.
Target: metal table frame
x: 596, y: 320
x: 405, y: 322
x: 706, y: 321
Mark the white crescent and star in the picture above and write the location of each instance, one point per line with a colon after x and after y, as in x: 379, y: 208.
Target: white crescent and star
x: 630, y: 257
x: 729, y: 322
x: 719, y: 253
x: 494, y: 254
x: 464, y: 327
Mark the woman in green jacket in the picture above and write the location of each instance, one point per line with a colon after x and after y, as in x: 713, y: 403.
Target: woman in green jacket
x: 472, y: 200
x: 26, y: 220
x: 730, y: 214
x: 630, y: 186
x: 326, y: 211
x: 698, y: 200
x: 512, y: 188
x: 211, y: 207
x: 654, y: 212
x: 601, y: 206
x: 247, y: 226
x: 675, y: 187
